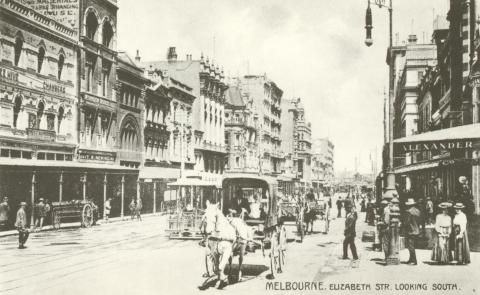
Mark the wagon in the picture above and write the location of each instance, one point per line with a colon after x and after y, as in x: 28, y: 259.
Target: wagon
x: 268, y: 231
x: 73, y: 211
x: 184, y: 221
x: 292, y: 215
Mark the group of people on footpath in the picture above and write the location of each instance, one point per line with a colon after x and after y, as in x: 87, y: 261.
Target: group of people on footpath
x: 450, y: 238
x: 42, y: 216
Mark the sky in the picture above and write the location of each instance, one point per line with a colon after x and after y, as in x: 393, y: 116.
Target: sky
x: 312, y: 49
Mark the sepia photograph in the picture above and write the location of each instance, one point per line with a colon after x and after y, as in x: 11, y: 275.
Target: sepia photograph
x: 239, y: 146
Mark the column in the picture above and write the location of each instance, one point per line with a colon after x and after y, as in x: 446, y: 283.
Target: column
x: 154, y: 197
x: 60, y: 187
x: 122, y: 196
x: 104, y: 192
x: 32, y: 218
x: 138, y: 190
x: 84, y: 186
x: 191, y: 196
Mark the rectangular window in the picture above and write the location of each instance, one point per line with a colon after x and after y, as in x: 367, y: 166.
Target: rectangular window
x: 15, y: 154
x: 51, y: 122
x: 32, y: 121
x: 50, y: 156
x: 68, y: 158
x: 41, y: 156
x: 106, y: 65
x: 5, y: 153
x: 26, y: 155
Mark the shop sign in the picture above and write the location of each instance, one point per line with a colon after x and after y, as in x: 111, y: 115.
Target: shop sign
x: 436, y: 146
x: 96, y: 156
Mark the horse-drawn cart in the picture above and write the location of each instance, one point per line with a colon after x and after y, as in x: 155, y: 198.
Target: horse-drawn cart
x: 292, y: 215
x: 268, y: 230
x: 76, y: 210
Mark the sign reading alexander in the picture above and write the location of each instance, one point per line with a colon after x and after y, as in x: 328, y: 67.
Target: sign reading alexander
x: 435, y: 146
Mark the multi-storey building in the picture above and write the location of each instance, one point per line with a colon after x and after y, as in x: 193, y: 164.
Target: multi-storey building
x: 297, y: 142
x: 266, y: 98
x: 38, y: 106
x: 207, y: 112
x: 241, y: 133
x: 446, y: 147
x: 72, y: 50
x: 415, y: 59
x: 323, y: 164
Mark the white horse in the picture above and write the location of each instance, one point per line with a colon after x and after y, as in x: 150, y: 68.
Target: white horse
x: 226, y: 237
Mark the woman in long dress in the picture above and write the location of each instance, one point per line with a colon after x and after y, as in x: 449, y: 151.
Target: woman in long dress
x: 462, y: 249
x: 443, y: 227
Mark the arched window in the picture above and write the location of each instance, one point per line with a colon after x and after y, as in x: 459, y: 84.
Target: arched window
x: 41, y: 108
x: 107, y: 33
x: 92, y: 25
x: 16, y: 109
x: 61, y: 61
x: 18, y: 50
x: 40, y: 58
x: 60, y: 118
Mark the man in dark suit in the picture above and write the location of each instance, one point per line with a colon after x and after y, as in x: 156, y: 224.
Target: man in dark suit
x: 350, y: 221
x: 412, y: 230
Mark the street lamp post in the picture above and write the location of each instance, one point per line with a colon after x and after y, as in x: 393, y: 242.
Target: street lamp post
x: 390, y: 193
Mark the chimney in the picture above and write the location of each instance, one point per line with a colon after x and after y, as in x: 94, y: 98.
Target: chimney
x: 412, y: 39
x: 137, y: 57
x: 172, y: 54
x: 189, y: 57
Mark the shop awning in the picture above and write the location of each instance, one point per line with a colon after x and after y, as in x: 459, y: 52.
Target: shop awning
x: 471, y: 131
x: 61, y: 164
x: 417, y: 166
x: 159, y: 173
x: 191, y: 182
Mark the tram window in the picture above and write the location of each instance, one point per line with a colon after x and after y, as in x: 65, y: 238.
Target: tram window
x: 15, y: 154
x: 60, y: 157
x: 26, y: 155
x: 41, y: 156
x: 50, y: 156
x: 68, y: 158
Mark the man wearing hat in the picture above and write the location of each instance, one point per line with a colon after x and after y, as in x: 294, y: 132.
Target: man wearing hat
x: 41, y: 213
x: 383, y: 226
x: 4, y: 212
x: 21, y: 225
x: 412, y: 230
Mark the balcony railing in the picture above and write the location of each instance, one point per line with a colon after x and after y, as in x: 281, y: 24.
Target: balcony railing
x: 156, y: 126
x: 40, y: 134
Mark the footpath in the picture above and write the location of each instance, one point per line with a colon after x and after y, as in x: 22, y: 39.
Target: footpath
x: 370, y: 274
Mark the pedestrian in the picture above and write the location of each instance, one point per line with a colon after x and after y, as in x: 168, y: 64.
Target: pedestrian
x: 107, y: 207
x: 371, y: 212
x: 4, y: 213
x: 383, y: 228
x: 443, y: 228
x: 462, y: 249
x: 348, y: 204
x: 412, y: 230
x: 330, y: 202
x: 350, y: 221
x: 339, y: 207
x: 132, y: 207
x: 310, y: 196
x: 21, y: 225
x: 138, y: 209
x: 429, y: 210
x: 363, y: 207
x: 327, y: 217
x: 40, y: 214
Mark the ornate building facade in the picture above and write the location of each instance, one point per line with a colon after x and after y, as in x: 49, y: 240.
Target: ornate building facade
x: 207, y: 113
x: 266, y: 98
x: 38, y: 104
x: 241, y: 134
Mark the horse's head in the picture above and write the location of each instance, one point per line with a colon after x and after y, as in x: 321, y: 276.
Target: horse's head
x: 210, y: 219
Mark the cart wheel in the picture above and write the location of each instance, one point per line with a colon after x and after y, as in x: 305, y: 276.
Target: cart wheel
x: 87, y: 216
x: 56, y: 221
